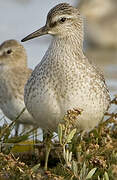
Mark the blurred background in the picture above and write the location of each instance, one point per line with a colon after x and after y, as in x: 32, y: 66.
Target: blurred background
x: 19, y: 18
x: 100, y: 44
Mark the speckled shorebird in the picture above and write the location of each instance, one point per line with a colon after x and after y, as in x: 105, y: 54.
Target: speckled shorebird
x: 65, y: 79
x: 13, y: 76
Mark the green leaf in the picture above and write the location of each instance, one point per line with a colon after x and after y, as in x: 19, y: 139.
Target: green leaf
x: 99, y: 178
x: 75, y: 168
x: 35, y: 168
x: 60, y: 133
x: 70, y: 136
x: 91, y: 173
x: 70, y: 156
x: 64, y: 152
x: 67, y: 156
x: 83, y: 171
x: 106, y: 177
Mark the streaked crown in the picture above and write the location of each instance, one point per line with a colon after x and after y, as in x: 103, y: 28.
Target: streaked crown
x: 60, y: 12
x: 62, y: 9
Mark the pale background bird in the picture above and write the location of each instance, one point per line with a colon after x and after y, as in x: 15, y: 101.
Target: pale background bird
x: 13, y: 76
x: 65, y: 79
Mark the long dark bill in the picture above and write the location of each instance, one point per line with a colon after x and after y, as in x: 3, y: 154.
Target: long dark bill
x: 40, y: 32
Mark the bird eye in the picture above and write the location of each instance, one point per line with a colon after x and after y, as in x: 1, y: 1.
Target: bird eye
x: 63, y: 19
x: 9, y: 51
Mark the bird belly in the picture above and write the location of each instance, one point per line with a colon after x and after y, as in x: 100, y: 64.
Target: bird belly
x: 48, y: 109
x: 45, y: 109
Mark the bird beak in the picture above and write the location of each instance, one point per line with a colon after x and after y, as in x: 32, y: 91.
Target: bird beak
x: 40, y: 32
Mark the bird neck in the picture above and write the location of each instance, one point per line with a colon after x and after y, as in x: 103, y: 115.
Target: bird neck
x: 71, y: 41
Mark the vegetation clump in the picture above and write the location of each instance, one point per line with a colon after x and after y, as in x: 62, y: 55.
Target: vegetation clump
x: 77, y: 156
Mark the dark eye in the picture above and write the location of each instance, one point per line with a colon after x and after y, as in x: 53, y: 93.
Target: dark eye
x: 9, y: 51
x: 63, y: 19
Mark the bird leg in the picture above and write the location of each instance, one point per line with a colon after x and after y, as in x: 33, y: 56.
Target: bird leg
x: 47, y: 137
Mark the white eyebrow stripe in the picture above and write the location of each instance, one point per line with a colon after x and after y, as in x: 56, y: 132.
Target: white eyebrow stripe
x: 54, y: 19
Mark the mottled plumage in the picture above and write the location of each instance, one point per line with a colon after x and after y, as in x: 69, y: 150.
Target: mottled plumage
x: 65, y: 79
